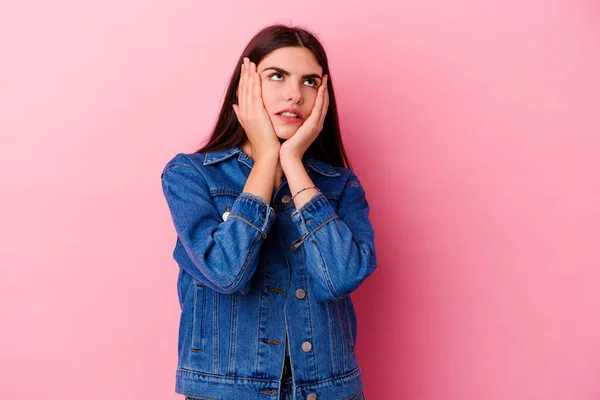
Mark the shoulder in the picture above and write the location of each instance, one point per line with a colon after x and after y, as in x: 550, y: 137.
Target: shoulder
x: 185, y: 160
x: 339, y: 174
x: 348, y: 176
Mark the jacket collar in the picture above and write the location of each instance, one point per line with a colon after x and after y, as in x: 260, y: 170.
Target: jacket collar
x: 318, y: 166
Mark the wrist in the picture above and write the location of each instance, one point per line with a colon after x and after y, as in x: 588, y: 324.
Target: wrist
x: 267, y: 155
x: 289, y: 154
x: 290, y: 162
x: 310, y: 190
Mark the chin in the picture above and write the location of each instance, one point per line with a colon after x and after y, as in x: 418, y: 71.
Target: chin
x: 285, y: 134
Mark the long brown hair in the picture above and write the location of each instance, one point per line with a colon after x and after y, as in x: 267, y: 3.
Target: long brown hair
x: 228, y: 132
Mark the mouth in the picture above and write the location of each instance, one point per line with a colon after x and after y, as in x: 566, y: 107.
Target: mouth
x: 290, y: 115
x: 289, y: 119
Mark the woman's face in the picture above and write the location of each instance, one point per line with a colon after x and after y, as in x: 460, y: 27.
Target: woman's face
x: 290, y: 78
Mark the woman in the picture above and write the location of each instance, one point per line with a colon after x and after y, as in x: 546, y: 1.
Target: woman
x: 273, y: 235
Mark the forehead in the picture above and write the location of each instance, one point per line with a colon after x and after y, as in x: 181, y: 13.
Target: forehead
x: 293, y: 59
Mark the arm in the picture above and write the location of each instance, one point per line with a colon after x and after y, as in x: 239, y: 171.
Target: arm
x: 340, y: 249
x: 224, y: 253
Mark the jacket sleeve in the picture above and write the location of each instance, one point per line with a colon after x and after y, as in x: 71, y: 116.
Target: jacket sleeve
x: 339, y: 249
x: 224, y: 254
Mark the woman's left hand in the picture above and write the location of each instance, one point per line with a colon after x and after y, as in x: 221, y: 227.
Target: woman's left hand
x: 295, y: 146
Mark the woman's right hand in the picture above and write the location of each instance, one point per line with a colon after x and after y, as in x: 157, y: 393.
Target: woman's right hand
x: 251, y: 112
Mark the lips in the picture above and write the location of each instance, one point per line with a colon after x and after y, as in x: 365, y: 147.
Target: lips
x: 292, y: 120
x: 291, y: 110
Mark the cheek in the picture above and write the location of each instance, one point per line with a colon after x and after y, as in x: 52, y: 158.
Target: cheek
x: 310, y: 98
x: 269, y: 97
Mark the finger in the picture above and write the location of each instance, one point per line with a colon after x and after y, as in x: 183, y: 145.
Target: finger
x: 247, y: 84
x: 237, y: 91
x: 318, y: 108
x: 257, y: 90
x: 241, y: 97
x: 236, y: 110
x: 250, y: 90
x: 320, y: 105
x: 326, y: 91
x: 326, y: 100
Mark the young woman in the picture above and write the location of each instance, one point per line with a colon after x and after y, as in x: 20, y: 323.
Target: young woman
x: 273, y: 234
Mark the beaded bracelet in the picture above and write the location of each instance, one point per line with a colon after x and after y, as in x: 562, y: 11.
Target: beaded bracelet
x: 310, y: 187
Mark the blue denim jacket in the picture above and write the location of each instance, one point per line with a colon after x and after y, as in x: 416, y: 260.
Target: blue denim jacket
x: 255, y: 278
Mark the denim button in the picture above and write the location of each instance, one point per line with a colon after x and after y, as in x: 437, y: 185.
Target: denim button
x: 311, y: 396
x: 306, y: 346
x: 226, y: 214
x: 300, y: 293
x: 286, y: 199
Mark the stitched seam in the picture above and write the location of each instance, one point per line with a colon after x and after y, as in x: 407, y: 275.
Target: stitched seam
x: 349, y: 324
x: 341, y: 326
x: 356, y: 185
x: 216, y: 338
x: 187, y: 371
x: 234, y: 325
x: 203, y: 316
x: 353, y: 184
x: 333, y: 335
x: 305, y: 206
x: 333, y: 196
x: 267, y: 220
x: 194, y: 311
x: 355, y: 395
x: 323, y: 223
x: 198, y: 341
x: 244, y: 219
x: 224, y: 192
x: 232, y: 336
x: 260, y: 298
x: 172, y: 166
x: 311, y: 331
x: 244, y: 266
x: 326, y: 273
x: 354, y: 371
x: 253, y: 199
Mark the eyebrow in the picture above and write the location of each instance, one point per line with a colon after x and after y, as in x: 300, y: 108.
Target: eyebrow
x: 284, y: 72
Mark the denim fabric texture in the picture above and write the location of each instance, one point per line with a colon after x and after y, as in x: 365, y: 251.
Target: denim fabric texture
x: 255, y: 277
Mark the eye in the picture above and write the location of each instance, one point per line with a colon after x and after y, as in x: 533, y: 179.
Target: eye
x: 313, y: 84
x: 313, y: 81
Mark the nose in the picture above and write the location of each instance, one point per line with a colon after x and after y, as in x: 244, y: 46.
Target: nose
x: 294, y: 93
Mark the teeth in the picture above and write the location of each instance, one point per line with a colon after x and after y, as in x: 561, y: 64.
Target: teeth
x: 289, y: 114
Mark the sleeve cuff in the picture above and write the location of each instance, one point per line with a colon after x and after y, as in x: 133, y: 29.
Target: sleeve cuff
x: 255, y: 211
x: 314, y: 214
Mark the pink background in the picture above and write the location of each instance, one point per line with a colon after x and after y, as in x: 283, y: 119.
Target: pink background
x: 474, y: 126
